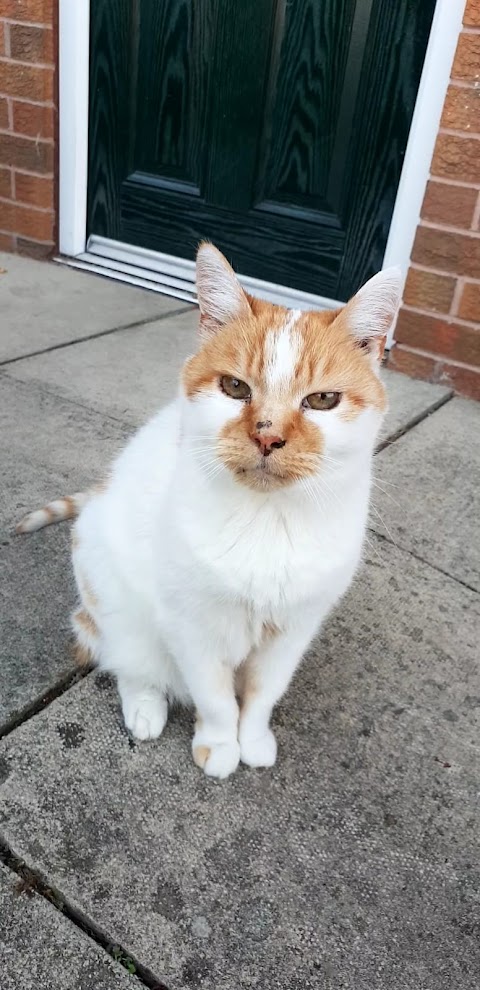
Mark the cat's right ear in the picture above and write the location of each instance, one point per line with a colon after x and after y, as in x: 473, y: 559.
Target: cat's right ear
x: 220, y: 296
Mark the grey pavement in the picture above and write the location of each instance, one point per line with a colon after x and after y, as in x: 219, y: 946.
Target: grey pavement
x: 41, y: 949
x: 440, y: 462
x: 41, y: 309
x: 353, y: 864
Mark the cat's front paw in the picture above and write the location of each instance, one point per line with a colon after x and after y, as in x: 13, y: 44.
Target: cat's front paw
x: 218, y: 760
x: 259, y: 751
x: 145, y: 714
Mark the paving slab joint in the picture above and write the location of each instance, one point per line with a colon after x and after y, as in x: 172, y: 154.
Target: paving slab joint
x: 94, y: 336
x: 31, y: 883
x: 442, y: 401
x: 382, y: 538
x: 43, y: 701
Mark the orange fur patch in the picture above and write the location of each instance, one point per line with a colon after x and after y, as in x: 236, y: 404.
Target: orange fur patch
x: 87, y: 624
x: 200, y: 755
x: 82, y: 655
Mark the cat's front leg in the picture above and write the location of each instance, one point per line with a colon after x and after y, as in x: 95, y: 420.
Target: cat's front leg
x: 265, y: 677
x: 210, y: 683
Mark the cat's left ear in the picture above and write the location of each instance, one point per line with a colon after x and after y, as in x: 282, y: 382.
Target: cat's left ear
x: 220, y: 296
x: 371, y: 312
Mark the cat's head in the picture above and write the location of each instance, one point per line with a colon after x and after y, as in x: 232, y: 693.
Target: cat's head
x: 274, y: 394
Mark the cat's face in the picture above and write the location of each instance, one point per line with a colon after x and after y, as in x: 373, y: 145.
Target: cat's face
x: 276, y: 395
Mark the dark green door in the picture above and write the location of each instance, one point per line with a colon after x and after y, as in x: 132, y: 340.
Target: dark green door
x: 275, y: 128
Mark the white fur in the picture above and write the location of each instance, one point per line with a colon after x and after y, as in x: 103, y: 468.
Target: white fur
x: 187, y: 566
x: 220, y: 295
x: 373, y: 309
x: 282, y: 350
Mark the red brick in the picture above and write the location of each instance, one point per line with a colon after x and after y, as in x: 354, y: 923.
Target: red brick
x: 35, y: 249
x: 457, y: 157
x: 31, y: 44
x: 465, y: 380
x: 427, y: 290
x: 5, y: 186
x: 26, y: 221
x: 451, y: 205
x: 34, y: 120
x: 469, y: 307
x: 461, y: 111
x: 2, y: 37
x: 29, y: 81
x: 411, y: 363
x: 38, y: 11
x: 471, y: 17
x: 35, y: 190
x: 24, y: 153
x: 467, y: 58
x: 3, y: 113
x: 447, y: 251
x: 7, y: 242
x: 441, y: 336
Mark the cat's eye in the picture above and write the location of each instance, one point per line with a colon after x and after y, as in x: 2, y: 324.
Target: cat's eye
x: 322, y: 400
x: 235, y: 388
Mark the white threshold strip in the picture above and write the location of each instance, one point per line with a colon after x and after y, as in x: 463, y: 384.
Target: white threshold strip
x: 176, y: 276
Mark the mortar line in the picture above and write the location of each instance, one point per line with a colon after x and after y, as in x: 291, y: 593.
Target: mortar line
x: 95, y: 336
x: 412, y: 423
x: 33, y: 881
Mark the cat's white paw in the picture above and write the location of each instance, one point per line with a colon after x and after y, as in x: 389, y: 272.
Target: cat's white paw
x: 218, y: 760
x: 259, y: 752
x: 145, y: 714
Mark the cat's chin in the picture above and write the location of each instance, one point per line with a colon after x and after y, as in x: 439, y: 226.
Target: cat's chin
x: 260, y: 480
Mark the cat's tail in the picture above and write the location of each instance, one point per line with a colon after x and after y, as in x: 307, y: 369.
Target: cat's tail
x: 67, y: 507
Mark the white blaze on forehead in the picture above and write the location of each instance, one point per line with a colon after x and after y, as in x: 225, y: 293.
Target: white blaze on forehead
x: 282, y: 350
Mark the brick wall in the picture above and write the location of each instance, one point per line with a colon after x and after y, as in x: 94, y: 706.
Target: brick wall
x: 28, y: 125
x: 438, y: 329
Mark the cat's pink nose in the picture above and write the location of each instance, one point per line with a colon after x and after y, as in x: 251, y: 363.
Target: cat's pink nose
x: 267, y: 443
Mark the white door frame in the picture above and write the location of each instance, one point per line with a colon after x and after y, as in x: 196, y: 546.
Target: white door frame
x: 175, y: 276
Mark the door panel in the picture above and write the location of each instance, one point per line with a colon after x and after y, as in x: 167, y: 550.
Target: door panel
x: 276, y: 129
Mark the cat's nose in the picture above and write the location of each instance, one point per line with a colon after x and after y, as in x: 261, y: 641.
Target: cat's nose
x: 266, y: 443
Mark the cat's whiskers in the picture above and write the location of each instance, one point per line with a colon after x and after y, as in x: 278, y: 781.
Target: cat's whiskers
x: 387, y: 494
x: 377, y: 513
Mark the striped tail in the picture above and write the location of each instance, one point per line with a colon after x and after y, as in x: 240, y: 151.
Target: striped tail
x: 62, y: 508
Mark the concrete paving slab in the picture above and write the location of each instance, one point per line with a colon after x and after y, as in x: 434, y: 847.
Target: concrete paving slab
x: 129, y: 374
x: 48, y: 447
x: 36, y: 598
x: 44, y: 304
x: 40, y: 948
x: 431, y: 480
x: 409, y: 400
x: 352, y: 865
x: 132, y: 373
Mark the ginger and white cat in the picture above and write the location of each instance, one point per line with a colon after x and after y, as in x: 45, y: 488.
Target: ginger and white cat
x: 234, y: 520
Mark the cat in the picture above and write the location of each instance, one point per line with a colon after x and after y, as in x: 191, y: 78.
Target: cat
x: 233, y: 521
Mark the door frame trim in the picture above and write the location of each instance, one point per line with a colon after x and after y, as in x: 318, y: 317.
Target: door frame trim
x: 176, y: 276
x: 74, y: 38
